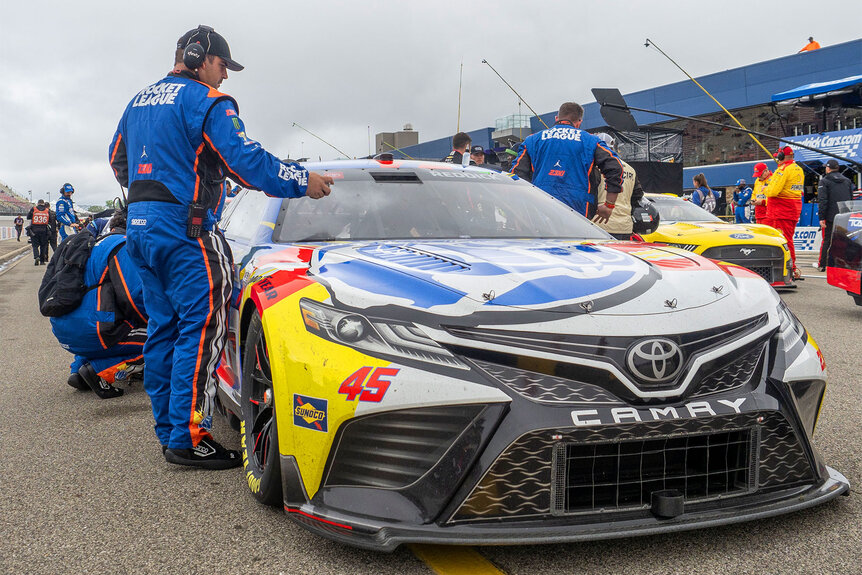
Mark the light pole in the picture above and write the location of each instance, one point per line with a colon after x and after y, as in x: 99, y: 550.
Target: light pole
x: 31, y: 195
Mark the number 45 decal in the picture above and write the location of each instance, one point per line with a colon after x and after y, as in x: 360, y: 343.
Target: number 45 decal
x: 368, y: 388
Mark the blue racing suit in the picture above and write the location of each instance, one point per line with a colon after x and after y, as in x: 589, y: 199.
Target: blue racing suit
x: 561, y: 161
x: 177, y: 141
x: 108, y: 329
x: 66, y: 216
x: 741, y: 199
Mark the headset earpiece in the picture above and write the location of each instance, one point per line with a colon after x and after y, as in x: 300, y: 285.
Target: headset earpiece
x: 193, y: 56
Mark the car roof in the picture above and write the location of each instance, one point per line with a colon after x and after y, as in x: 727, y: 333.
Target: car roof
x: 393, y: 164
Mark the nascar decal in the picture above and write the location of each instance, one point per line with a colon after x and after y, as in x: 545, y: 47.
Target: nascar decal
x: 309, y: 412
x: 494, y: 272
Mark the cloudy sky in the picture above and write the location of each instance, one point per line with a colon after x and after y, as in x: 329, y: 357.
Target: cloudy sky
x: 68, y: 69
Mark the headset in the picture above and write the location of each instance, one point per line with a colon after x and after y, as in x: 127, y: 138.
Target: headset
x: 194, y: 52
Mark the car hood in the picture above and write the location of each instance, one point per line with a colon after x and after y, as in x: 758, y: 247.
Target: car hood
x: 463, y: 277
x: 688, y: 232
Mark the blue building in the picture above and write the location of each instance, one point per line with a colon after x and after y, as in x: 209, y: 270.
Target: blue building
x: 721, y: 154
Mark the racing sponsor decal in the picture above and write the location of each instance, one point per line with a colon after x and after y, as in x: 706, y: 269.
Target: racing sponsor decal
x: 290, y: 172
x: 145, y: 168
x: 618, y: 415
x: 309, y: 412
x: 139, y: 221
x: 518, y: 273
x: 807, y: 239
x: 854, y: 222
x: 236, y: 123
x: 230, y: 112
x: 664, y: 258
x: 742, y: 236
x: 157, y: 95
x: 562, y: 134
x: 368, y: 385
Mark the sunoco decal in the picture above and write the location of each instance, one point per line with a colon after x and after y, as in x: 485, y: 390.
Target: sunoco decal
x: 309, y: 412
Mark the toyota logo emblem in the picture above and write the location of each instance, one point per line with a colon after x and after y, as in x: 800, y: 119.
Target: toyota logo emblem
x: 655, y: 360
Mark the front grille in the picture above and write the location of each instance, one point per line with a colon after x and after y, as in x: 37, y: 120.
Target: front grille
x: 741, y: 253
x: 624, y: 474
x: 607, y: 349
x: 763, y: 271
x: 393, y: 449
x: 732, y: 374
x: 546, y: 388
x: 519, y: 484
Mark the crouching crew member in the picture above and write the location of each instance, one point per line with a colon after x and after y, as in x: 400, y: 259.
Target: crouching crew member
x: 176, y: 142
x: 65, y: 209
x: 108, y: 330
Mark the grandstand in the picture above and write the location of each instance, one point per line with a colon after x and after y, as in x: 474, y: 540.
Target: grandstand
x: 11, y: 204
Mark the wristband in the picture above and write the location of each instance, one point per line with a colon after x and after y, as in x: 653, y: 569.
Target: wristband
x: 610, y: 205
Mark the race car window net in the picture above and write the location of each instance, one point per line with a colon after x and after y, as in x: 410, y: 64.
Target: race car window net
x: 448, y: 204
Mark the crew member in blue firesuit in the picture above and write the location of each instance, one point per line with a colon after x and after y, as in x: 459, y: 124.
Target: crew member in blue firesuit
x: 65, y: 209
x: 107, y: 331
x: 741, y: 198
x: 176, y: 142
x: 560, y: 161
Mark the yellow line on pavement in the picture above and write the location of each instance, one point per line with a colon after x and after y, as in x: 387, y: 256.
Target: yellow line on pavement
x: 454, y: 560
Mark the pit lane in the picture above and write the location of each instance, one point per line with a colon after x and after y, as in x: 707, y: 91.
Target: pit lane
x: 84, y: 486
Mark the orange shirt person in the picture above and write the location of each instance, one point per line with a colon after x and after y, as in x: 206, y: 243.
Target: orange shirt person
x: 784, y: 199
x: 812, y: 45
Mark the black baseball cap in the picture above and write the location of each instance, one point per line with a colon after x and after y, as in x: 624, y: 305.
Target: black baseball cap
x: 477, y: 150
x: 833, y: 164
x: 213, y: 43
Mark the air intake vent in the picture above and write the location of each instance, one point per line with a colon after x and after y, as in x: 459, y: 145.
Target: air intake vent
x: 396, y: 177
x: 393, y: 449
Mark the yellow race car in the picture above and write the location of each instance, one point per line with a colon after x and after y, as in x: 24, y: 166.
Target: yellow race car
x: 760, y: 248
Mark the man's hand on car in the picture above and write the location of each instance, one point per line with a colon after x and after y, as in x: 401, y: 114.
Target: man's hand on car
x: 318, y: 186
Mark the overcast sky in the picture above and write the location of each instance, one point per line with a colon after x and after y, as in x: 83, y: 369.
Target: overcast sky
x: 68, y: 69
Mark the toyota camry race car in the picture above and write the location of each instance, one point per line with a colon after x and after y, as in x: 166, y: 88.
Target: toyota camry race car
x: 436, y: 353
x: 762, y: 249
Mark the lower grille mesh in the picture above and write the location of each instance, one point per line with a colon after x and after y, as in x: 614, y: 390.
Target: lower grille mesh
x: 519, y: 483
x: 624, y: 474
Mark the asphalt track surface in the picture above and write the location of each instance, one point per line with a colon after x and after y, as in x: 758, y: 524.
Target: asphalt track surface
x: 84, y: 487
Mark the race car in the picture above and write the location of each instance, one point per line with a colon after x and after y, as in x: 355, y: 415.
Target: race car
x: 446, y: 354
x: 845, y: 253
x: 760, y: 248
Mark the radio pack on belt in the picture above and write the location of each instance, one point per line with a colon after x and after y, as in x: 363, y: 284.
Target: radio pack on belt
x: 63, y: 288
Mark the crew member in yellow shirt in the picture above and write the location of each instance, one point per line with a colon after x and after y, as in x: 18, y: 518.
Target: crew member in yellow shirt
x: 784, y: 199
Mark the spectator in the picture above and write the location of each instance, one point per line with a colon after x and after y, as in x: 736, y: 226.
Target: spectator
x: 460, y: 144
x: 812, y: 45
x: 703, y: 196
x: 19, y: 225
x: 834, y: 187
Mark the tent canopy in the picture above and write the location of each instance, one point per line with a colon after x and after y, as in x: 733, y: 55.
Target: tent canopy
x: 817, y: 88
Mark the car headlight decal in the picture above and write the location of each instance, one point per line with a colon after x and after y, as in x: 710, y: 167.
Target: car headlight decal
x: 373, y: 335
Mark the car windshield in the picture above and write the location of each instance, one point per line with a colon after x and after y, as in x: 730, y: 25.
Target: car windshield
x: 432, y: 204
x: 676, y: 210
